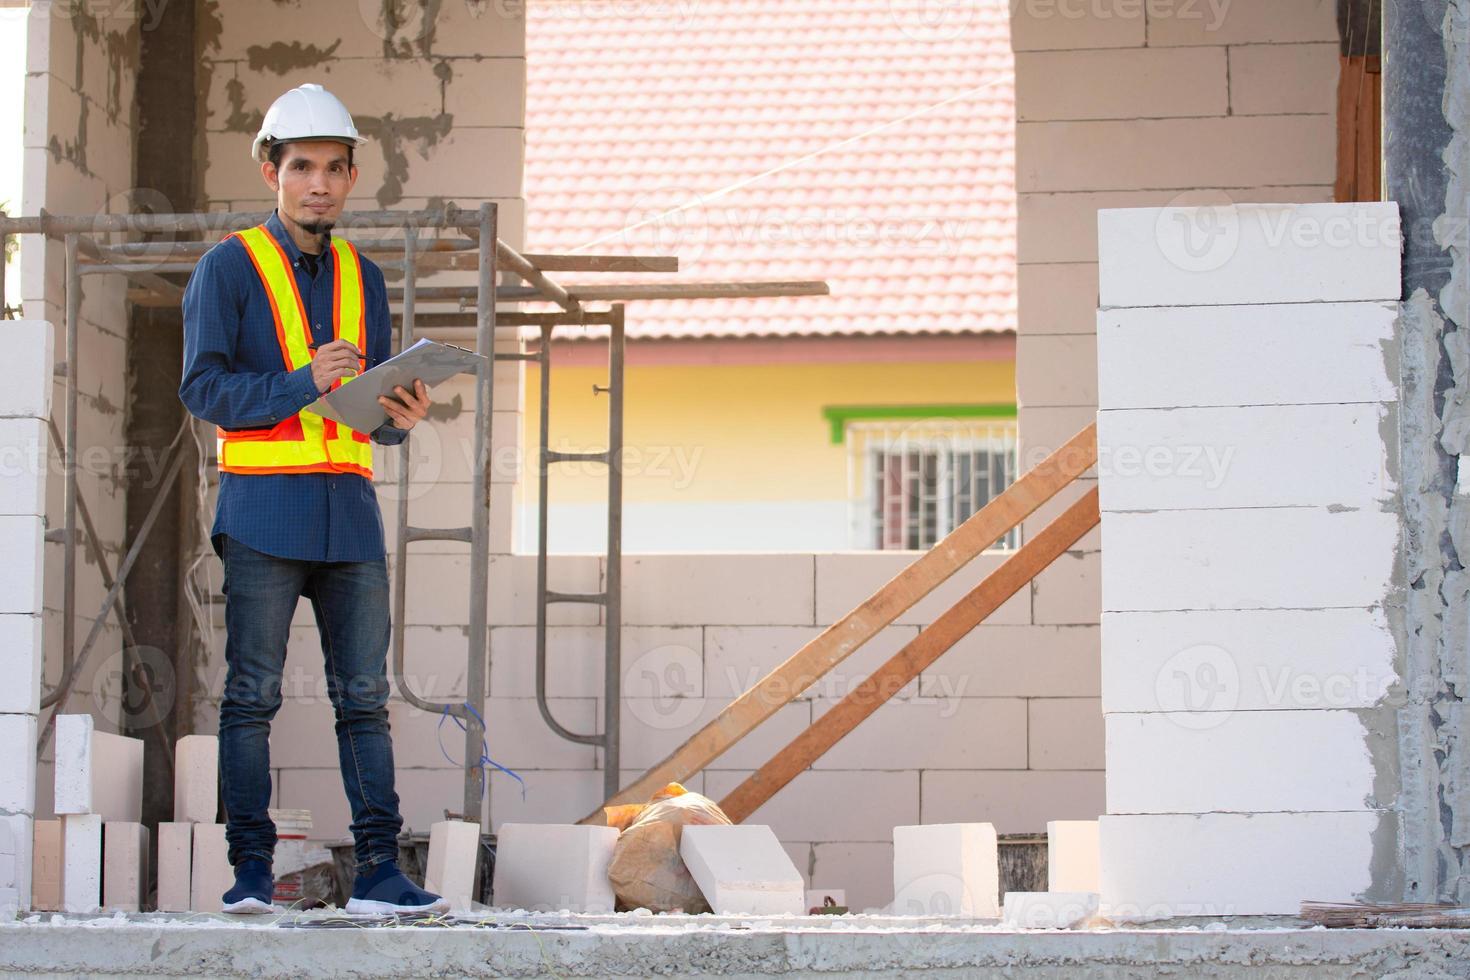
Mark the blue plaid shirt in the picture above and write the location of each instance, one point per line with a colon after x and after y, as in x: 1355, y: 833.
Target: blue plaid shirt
x: 234, y: 378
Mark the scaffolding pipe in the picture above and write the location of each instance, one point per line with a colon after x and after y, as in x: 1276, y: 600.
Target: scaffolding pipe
x: 474, y: 731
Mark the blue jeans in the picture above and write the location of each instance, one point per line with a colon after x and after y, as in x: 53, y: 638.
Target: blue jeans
x: 350, y: 600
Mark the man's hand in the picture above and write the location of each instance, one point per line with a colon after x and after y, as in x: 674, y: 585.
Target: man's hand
x: 339, y: 359
x: 408, y: 407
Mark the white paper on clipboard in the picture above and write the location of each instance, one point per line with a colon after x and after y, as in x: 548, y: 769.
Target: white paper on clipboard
x: 356, y: 404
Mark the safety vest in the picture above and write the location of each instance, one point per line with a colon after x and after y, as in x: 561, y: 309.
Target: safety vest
x: 305, y: 442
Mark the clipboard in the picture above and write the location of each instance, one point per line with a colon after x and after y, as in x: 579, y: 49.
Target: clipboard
x: 356, y: 404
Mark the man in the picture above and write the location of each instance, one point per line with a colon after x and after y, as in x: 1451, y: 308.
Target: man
x: 274, y: 316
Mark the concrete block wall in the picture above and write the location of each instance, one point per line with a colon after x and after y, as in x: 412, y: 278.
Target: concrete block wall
x: 23, y: 410
x: 81, y: 63
x: 993, y: 733
x: 1133, y: 105
x: 1005, y: 729
x: 1250, y: 524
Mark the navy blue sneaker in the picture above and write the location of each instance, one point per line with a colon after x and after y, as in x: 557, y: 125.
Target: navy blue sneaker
x: 386, y: 889
x: 254, y: 887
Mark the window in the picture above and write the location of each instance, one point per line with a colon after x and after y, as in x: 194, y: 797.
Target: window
x: 914, y: 482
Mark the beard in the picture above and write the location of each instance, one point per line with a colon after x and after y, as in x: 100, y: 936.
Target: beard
x: 317, y: 226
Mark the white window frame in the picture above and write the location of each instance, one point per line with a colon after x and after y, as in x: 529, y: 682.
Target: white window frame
x: 932, y: 508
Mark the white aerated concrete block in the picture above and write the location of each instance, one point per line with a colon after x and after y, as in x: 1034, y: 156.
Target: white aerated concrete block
x: 1237, y: 761
x: 454, y: 849
x: 124, y: 865
x: 81, y: 862
x: 210, y: 874
x: 30, y: 369
x: 554, y: 867
x: 23, y: 450
x: 1236, y: 864
x: 18, y: 764
x: 175, y: 866
x: 1246, y: 660
x: 16, y: 841
x: 46, y: 866
x: 196, y: 779
x: 1274, y: 456
x: 743, y: 870
x: 21, y: 657
x: 1072, y: 856
x: 20, y: 574
x: 1248, y: 253
x: 1049, y: 910
x: 1287, y: 354
x: 97, y: 772
x: 1266, y: 558
x: 946, y: 869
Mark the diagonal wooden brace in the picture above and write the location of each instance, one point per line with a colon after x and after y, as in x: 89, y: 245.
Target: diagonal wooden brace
x: 917, y: 655
x: 836, y: 643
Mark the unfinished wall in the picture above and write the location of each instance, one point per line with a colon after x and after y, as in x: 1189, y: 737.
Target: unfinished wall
x: 78, y: 160
x: 1007, y: 728
x: 1124, y: 104
x: 990, y: 734
x: 1248, y: 432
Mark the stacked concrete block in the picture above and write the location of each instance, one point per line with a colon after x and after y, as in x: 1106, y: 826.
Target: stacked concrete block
x: 81, y: 862
x: 946, y: 870
x: 1246, y: 428
x: 175, y: 866
x: 25, y: 404
x: 97, y: 772
x: 124, y: 865
x: 554, y: 867
x: 46, y: 866
x: 210, y: 874
x: 454, y: 850
x: 742, y: 870
x: 1072, y: 856
x: 15, y: 862
x: 196, y: 779
x: 1049, y: 909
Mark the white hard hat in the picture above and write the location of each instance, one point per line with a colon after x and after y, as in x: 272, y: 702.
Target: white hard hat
x: 307, y: 112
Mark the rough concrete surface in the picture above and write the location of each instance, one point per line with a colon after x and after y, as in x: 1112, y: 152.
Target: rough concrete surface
x: 519, y: 945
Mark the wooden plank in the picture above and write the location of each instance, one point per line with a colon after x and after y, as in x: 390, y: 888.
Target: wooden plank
x: 1359, y: 129
x: 838, y: 641
x: 920, y: 652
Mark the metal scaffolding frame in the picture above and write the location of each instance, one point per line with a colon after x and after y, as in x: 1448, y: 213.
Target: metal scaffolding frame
x: 478, y: 247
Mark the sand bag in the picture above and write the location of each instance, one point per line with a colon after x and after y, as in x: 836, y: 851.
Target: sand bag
x: 646, y: 870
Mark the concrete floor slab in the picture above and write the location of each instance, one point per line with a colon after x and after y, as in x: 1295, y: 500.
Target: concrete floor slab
x: 489, y: 944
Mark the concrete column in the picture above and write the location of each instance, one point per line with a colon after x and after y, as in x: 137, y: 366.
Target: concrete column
x: 1426, y: 79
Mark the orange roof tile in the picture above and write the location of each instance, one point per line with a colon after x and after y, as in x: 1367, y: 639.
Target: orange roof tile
x: 869, y: 143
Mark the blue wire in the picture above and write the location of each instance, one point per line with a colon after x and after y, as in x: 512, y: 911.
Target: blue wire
x: 485, y: 759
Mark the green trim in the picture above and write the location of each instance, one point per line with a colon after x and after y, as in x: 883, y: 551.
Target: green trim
x: 838, y: 416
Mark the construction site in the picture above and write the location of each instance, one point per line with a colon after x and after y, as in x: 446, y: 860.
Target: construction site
x: 962, y: 488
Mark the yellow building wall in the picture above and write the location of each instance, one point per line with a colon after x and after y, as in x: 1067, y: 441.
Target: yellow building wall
x: 742, y: 432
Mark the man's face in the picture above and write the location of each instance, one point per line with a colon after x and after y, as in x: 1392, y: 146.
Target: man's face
x: 312, y: 183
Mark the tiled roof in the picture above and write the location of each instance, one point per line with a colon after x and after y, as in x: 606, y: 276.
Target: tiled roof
x: 898, y: 115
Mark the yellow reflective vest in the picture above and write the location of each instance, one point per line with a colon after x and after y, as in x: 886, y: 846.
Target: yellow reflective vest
x: 303, y: 443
